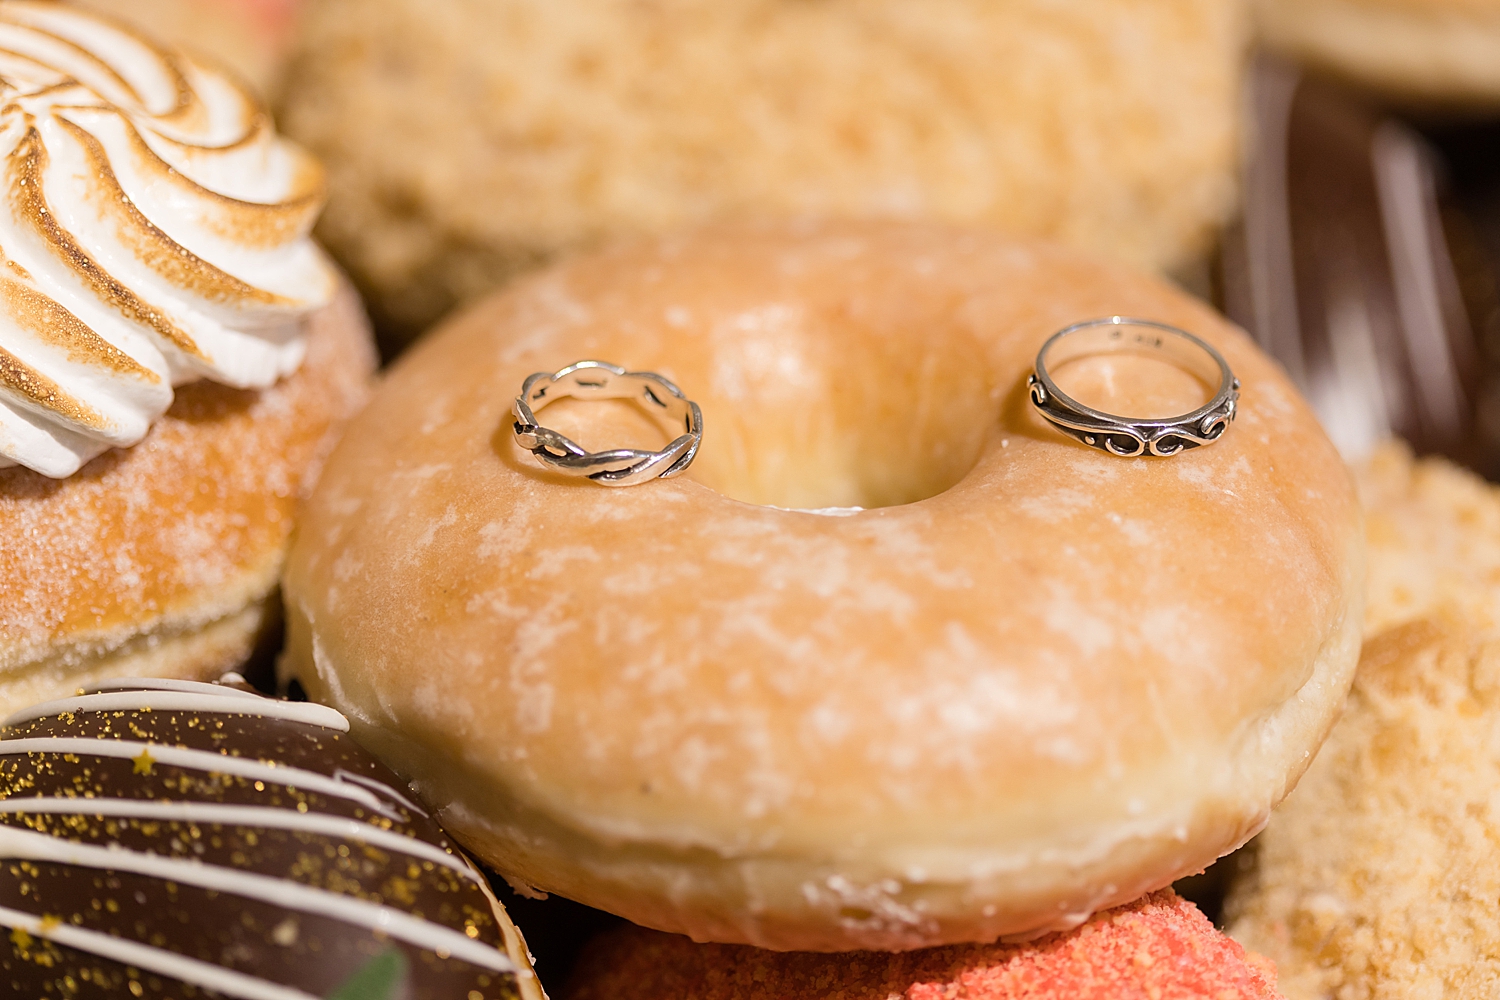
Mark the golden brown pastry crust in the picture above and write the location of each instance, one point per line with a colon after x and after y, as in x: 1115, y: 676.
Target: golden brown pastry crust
x: 517, y: 130
x: 159, y: 560
x: 1036, y: 682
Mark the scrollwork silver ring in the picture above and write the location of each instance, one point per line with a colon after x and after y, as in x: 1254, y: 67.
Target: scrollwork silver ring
x: 601, y: 380
x: 1129, y: 437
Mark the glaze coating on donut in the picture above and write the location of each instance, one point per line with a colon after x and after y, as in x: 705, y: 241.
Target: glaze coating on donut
x: 1026, y: 681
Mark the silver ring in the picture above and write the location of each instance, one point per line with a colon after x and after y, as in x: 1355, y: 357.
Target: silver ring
x: 1125, y: 436
x: 601, y: 380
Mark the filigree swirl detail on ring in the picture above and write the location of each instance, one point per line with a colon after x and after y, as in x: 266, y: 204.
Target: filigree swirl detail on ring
x: 601, y: 380
x: 1127, y: 437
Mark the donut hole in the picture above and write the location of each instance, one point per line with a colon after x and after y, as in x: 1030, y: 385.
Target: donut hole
x: 854, y: 421
x: 1132, y: 385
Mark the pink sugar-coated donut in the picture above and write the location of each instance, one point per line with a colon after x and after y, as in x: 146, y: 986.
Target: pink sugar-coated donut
x: 1157, y: 948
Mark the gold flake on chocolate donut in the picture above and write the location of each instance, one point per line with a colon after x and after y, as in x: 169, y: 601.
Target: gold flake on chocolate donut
x: 147, y: 200
x: 159, y: 835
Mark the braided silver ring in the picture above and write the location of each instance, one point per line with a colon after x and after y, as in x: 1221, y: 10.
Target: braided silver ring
x: 600, y: 380
x: 1124, y: 436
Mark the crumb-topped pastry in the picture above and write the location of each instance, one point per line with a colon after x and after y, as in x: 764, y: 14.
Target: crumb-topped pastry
x: 530, y: 128
x: 1377, y: 878
x: 153, y: 233
x: 1433, y: 533
x: 161, y: 837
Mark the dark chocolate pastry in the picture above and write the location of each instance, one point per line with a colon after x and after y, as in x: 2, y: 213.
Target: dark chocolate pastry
x: 176, y: 839
x: 1367, y: 263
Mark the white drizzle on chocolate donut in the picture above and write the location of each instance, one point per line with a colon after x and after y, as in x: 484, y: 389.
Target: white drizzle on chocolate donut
x: 257, y: 816
x: 90, y: 828
x: 203, y: 760
x: 313, y: 715
x: 40, y: 847
x: 142, y: 956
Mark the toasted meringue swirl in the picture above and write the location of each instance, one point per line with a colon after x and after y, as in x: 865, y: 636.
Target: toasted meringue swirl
x: 153, y: 231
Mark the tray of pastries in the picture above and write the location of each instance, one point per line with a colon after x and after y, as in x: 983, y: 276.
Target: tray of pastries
x: 750, y: 499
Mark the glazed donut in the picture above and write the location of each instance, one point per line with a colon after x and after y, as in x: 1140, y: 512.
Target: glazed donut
x: 895, y: 663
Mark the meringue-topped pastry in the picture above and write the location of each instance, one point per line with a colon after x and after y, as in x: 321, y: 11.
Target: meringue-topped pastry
x: 154, y: 231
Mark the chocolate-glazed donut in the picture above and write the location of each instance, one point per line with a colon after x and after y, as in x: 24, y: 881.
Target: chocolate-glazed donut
x: 163, y: 838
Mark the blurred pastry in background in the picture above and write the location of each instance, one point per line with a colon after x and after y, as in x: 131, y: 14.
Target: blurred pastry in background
x: 470, y: 140
x: 176, y: 357
x: 1445, y: 51
x: 252, y: 38
x: 1377, y: 878
x: 1157, y: 948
